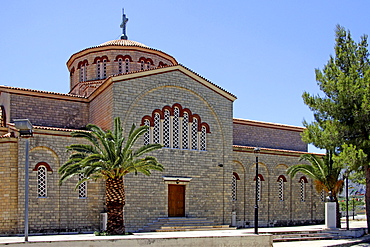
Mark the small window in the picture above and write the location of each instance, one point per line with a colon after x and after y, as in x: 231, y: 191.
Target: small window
x: 104, y: 68
x: 194, y: 134
x: 303, y: 190
x: 2, y: 116
x: 166, y: 129
x: 281, y: 189
x: 119, y: 65
x: 127, y: 65
x: 234, y: 187
x: 203, y: 143
x: 41, y: 182
x: 259, y: 185
x: 98, y: 72
x: 147, y: 133
x: 142, y: 64
x: 322, y: 195
x: 176, y: 128
x: 82, y: 188
x: 185, y: 131
x: 156, y: 130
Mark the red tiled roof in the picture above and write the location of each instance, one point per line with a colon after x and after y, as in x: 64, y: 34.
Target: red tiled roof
x: 40, y: 91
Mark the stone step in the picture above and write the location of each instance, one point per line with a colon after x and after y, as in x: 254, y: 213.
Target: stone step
x: 195, y: 228
x: 302, y: 236
x: 182, y: 224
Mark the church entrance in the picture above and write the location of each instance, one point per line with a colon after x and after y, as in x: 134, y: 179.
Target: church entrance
x: 176, y: 200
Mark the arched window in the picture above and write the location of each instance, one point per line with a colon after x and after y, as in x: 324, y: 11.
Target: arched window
x: 281, y: 179
x: 82, y: 66
x: 166, y: 129
x: 41, y: 182
x: 185, y: 131
x: 203, y: 141
x: 104, y: 68
x: 120, y: 66
x: 281, y: 189
x: 322, y: 195
x: 234, y: 186
x: 71, y: 74
x: 98, y: 69
x: 194, y: 134
x: 147, y: 133
x: 259, y: 186
x: 2, y: 116
x: 127, y: 65
x: 156, y: 130
x: 142, y: 64
x: 302, y: 183
x: 176, y: 128
x: 82, y: 188
x: 83, y: 73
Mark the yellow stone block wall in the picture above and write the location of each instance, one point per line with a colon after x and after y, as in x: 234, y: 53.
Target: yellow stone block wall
x: 8, y: 185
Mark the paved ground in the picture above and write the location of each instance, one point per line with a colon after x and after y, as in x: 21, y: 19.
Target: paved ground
x: 340, y: 242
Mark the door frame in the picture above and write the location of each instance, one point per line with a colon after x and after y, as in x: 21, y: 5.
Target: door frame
x: 175, y: 180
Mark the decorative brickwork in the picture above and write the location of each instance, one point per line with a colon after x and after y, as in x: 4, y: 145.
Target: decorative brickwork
x: 145, y: 86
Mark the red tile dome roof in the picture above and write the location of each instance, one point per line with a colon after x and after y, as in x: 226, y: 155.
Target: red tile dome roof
x: 123, y: 42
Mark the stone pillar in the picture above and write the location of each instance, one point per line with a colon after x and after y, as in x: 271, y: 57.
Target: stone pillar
x: 330, y: 215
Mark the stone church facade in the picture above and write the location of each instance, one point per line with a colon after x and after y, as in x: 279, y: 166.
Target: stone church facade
x: 208, y: 155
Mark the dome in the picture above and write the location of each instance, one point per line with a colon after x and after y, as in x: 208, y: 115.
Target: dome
x: 123, y: 42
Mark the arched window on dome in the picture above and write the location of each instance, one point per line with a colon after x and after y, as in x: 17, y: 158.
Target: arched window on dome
x: 98, y: 70
x: 71, y: 74
x: 104, y: 68
x: 2, y: 116
x: 101, y: 69
x: 142, y: 64
x: 83, y: 70
x: 120, y: 66
x: 127, y: 65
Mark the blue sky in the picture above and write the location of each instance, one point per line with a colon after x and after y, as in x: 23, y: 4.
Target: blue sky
x: 264, y: 52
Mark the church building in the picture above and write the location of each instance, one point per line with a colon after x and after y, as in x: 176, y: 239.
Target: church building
x: 209, y: 156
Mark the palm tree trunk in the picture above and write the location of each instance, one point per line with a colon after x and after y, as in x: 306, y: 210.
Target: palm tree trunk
x: 115, y: 201
x: 338, y: 213
x: 367, y: 194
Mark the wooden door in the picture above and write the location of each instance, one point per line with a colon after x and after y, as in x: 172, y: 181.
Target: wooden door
x: 176, y: 200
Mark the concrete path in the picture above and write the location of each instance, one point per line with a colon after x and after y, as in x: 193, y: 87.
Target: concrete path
x: 189, y: 234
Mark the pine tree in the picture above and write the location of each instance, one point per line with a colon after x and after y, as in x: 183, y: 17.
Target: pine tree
x: 342, y: 111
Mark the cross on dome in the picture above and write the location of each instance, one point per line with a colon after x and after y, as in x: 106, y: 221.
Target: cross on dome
x: 123, y: 25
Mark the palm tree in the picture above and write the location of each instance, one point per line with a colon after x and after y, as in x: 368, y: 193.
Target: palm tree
x: 110, y: 157
x: 324, y: 172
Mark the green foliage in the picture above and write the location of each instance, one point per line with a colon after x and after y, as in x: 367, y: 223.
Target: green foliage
x: 342, y: 114
x: 342, y: 110
x: 322, y: 170
x: 109, y: 154
x: 351, y: 202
